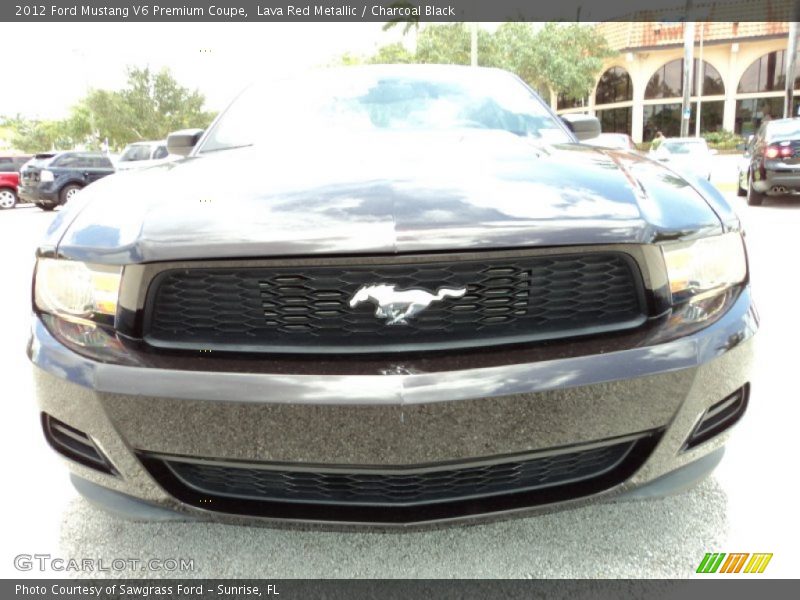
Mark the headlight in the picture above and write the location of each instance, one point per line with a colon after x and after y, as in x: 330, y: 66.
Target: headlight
x: 46, y: 176
x: 74, y: 289
x: 707, y: 265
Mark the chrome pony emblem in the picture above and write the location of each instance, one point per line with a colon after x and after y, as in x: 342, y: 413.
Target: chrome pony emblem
x: 396, y: 306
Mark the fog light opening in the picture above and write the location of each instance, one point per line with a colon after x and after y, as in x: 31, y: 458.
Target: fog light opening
x: 719, y: 417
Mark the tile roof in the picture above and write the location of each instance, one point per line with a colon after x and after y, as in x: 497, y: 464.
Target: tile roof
x: 649, y: 32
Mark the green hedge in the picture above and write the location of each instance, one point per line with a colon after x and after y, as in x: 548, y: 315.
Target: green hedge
x: 724, y: 142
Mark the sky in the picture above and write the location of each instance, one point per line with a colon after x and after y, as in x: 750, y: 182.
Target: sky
x: 219, y: 59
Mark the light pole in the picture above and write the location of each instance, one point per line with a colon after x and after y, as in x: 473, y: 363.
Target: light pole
x: 473, y: 45
x: 700, y: 81
x: 688, y: 64
x: 791, y: 65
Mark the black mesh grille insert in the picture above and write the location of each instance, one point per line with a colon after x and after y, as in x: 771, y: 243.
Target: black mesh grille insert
x: 393, y: 487
x: 308, y: 309
x: 342, y: 487
x: 400, y: 495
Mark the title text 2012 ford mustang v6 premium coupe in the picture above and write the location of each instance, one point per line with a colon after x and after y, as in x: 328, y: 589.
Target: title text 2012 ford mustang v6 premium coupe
x: 415, y: 297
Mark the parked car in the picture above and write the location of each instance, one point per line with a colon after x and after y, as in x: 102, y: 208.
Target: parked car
x: 771, y: 162
x: 51, y: 179
x: 616, y: 141
x: 143, y: 154
x: 443, y: 308
x: 690, y: 156
x: 9, y: 179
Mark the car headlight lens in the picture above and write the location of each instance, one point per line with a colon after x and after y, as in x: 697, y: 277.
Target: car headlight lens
x: 46, y: 176
x: 707, y: 265
x: 75, y: 289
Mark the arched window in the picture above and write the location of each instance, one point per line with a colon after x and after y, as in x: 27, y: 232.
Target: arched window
x: 615, y: 120
x: 667, y: 118
x: 767, y: 74
x: 667, y: 81
x: 614, y: 86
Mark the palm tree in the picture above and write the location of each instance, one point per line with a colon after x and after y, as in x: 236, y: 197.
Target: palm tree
x: 410, y: 22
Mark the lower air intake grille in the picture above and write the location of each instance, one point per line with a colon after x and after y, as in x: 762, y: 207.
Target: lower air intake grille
x: 397, y: 494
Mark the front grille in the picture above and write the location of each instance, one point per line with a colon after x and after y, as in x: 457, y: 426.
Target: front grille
x: 399, y: 494
x: 308, y: 309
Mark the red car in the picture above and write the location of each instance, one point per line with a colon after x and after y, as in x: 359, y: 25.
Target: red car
x: 9, y: 179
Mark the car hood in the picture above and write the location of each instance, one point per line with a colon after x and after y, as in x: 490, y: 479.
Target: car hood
x: 392, y: 193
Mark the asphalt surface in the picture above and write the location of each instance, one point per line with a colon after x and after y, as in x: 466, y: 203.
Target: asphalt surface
x: 748, y: 505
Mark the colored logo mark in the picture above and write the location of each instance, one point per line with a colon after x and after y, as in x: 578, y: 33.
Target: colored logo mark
x: 719, y: 562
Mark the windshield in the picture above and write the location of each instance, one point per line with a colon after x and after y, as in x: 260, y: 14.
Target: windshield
x: 354, y: 101
x: 40, y: 160
x: 784, y: 131
x: 135, y: 152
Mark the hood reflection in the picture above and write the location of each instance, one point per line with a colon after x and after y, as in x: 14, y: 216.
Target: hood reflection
x: 397, y: 194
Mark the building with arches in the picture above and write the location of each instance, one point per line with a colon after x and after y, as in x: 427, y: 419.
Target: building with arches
x: 640, y: 90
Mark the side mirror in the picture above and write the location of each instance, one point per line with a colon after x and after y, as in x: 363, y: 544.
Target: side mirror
x: 583, y: 126
x: 182, y: 142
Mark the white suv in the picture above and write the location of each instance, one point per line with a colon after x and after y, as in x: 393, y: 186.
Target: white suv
x: 144, y: 154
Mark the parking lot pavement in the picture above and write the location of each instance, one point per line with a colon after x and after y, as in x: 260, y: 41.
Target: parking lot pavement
x: 748, y: 505
x: 723, y: 171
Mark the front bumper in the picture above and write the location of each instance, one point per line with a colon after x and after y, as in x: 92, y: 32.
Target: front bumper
x: 399, y: 420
